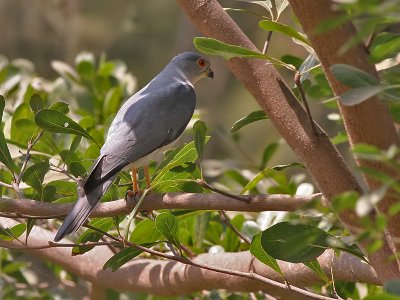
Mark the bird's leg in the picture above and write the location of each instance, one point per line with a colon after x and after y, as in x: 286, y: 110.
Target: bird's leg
x: 135, y: 185
x: 146, y: 176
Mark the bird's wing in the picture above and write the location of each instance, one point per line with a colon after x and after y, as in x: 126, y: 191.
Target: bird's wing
x: 150, y: 119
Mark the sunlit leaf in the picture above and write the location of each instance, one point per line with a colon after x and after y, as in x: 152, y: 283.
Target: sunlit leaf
x: 384, y: 45
x: 90, y: 235
x: 34, y: 175
x: 199, y: 132
x: 9, y: 234
x: 274, y: 26
x: 316, y: 268
x: 60, y: 106
x: 167, y: 224
x: 55, y: 121
x: 250, y: 118
x: 257, y: 250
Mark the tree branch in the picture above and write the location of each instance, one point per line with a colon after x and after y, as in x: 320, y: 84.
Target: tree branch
x: 169, y: 278
x: 321, y: 158
x: 275, y: 202
x: 357, y: 119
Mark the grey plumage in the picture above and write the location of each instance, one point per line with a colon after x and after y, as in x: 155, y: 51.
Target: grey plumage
x: 148, y: 121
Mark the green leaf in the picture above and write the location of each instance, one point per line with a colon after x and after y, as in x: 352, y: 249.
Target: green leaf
x: 64, y: 70
x: 232, y: 241
x: 352, y: 76
x: 126, y: 255
x: 29, y: 225
x: 55, y: 121
x: 60, y: 106
x: 9, y: 234
x: 178, y: 157
x: 214, y: 47
x: 316, y: 268
x: 36, y: 103
x: 267, y: 172
x: 91, y: 235
x: 258, y: 252
x: 384, y: 45
x: 2, y: 105
x: 358, y: 95
x: 112, y: 101
x: 34, y: 175
x: 268, y: 153
x: 250, y: 118
x: 167, y: 224
x: 274, y: 26
x: 5, y: 156
x: 199, y: 131
x: 76, y: 169
x: 301, y: 243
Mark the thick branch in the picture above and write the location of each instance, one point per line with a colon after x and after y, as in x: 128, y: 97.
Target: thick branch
x: 321, y: 158
x: 162, y: 201
x: 168, y: 278
x: 369, y: 122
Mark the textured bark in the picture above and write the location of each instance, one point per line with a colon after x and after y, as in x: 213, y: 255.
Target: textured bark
x: 170, y: 278
x: 256, y: 203
x: 322, y: 160
x: 369, y: 122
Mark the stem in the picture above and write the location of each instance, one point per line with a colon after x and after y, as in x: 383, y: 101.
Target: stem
x: 228, y: 223
x: 297, y: 80
x: 204, y: 184
x: 266, y: 44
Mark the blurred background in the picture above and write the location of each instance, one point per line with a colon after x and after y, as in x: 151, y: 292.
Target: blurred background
x: 146, y: 35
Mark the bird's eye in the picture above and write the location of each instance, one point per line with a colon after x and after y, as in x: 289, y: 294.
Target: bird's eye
x: 201, y: 63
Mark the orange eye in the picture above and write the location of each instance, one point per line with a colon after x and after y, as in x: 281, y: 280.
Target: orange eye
x: 201, y: 63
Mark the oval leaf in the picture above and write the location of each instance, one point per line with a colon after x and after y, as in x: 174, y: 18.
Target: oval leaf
x: 352, y: 76
x: 199, y: 131
x: 34, y: 175
x: 55, y: 121
x: 358, y: 95
x: 258, y: 252
x: 5, y: 156
x: 36, y: 103
x: 301, y: 243
x: 167, y: 224
x: 9, y: 234
x: 250, y: 118
x: 127, y: 254
x: 282, y: 28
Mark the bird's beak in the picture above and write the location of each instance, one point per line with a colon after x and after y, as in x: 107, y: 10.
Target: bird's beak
x: 209, y: 73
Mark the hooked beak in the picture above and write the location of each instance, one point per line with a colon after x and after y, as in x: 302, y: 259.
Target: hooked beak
x: 209, y: 73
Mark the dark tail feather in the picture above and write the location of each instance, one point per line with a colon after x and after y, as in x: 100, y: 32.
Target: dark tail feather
x: 82, y: 209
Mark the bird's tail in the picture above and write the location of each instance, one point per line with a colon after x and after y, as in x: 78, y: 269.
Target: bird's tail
x: 82, y: 209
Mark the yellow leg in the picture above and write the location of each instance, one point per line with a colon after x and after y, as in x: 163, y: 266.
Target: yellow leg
x: 135, y: 185
x: 146, y: 176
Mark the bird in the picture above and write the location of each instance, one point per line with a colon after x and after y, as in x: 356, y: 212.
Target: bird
x: 145, y: 125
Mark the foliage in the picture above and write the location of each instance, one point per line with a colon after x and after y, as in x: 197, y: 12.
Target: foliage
x: 53, y: 129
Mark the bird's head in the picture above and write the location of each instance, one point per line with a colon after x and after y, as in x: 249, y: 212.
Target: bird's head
x: 193, y: 66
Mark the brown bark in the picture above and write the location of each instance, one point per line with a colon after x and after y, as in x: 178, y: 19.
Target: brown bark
x: 169, y: 278
x: 321, y: 158
x: 256, y: 203
x: 369, y: 122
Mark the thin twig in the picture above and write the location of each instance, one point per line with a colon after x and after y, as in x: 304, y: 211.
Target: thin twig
x: 204, y: 184
x: 59, y: 245
x: 266, y: 44
x: 228, y: 223
x: 297, y: 80
x: 27, y: 156
x: 62, y: 171
x: 6, y: 185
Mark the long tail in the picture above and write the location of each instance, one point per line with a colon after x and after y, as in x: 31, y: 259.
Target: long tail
x: 97, y: 183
